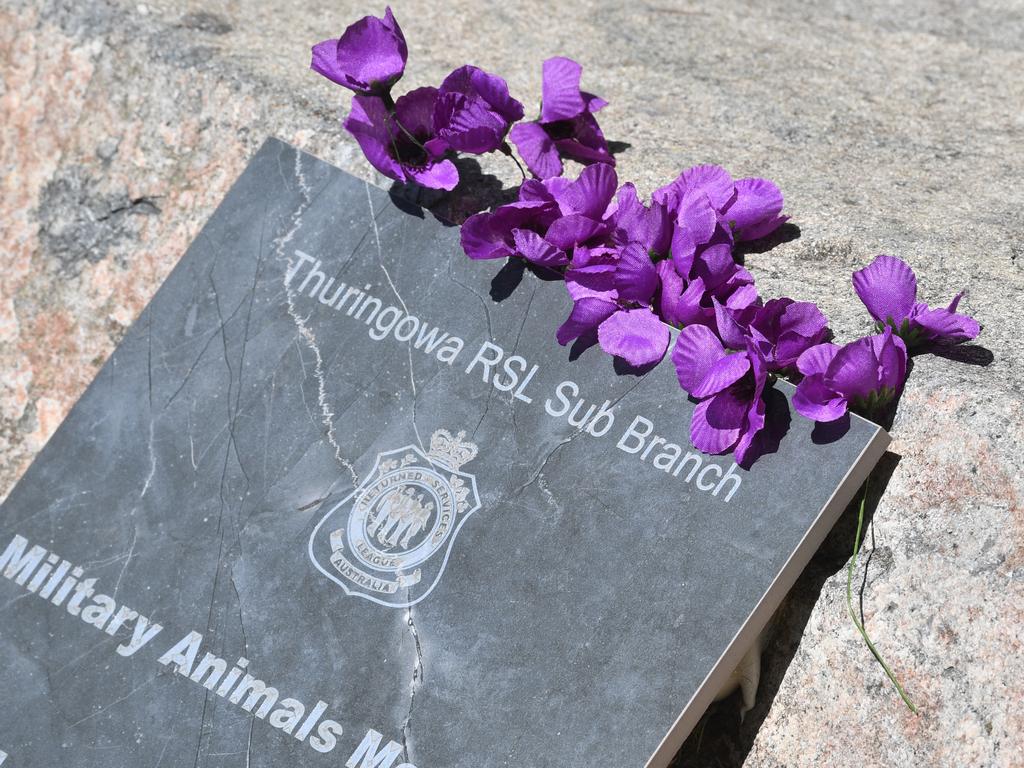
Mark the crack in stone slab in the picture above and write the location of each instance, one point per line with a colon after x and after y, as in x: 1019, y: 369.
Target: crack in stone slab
x: 415, y: 685
x: 301, y: 323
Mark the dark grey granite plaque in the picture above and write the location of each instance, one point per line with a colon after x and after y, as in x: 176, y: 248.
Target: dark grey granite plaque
x: 331, y: 503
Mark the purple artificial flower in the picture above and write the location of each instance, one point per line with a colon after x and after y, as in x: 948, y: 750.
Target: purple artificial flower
x: 701, y: 243
x: 634, y: 222
x: 748, y: 209
x: 865, y: 374
x: 473, y: 113
x: 566, y: 128
x: 583, y: 205
x: 888, y: 288
x: 781, y: 329
x: 394, y: 143
x: 730, y: 387
x: 611, y: 295
x: 687, y: 300
x: 518, y: 228
x: 550, y: 218
x: 369, y: 58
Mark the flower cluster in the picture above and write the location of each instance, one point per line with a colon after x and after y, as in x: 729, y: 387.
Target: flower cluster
x: 414, y: 137
x: 636, y: 270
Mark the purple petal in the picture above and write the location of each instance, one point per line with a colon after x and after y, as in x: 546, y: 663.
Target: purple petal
x: 627, y: 212
x: 466, y: 125
x: 481, y: 239
x: 763, y: 229
x: 738, y: 295
x: 714, y: 263
x: 367, y: 121
x: 888, y: 287
x: 593, y: 103
x: 494, y: 90
x: 569, y: 231
x: 536, y: 249
x: 684, y: 251
x: 945, y: 326
x: 891, y: 353
x: 635, y: 335
x: 589, y: 255
x: 816, y: 401
x: 697, y: 349
x: 680, y: 304
x: 790, y: 346
x: 585, y: 143
x: 799, y: 326
x: 723, y: 373
x: 755, y: 211
x: 747, y: 445
x: 636, y: 278
x: 596, y: 280
x: 670, y: 291
x: 635, y: 222
x: 442, y: 175
x: 853, y: 372
x: 474, y: 111
x: 709, y: 181
x: 759, y: 371
x: 459, y: 81
x: 561, y: 98
x: 699, y: 218
x: 325, y: 62
x: 803, y: 318
x: 768, y: 318
x: 692, y: 305
x: 591, y: 193
x: 368, y: 58
x: 535, y: 191
x: 732, y: 332
x: 415, y: 111
x: 716, y: 422
x: 816, y: 359
x: 587, y: 314
x: 488, y: 235
x: 537, y: 149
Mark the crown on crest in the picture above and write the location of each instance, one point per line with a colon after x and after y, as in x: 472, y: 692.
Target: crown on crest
x: 450, y: 451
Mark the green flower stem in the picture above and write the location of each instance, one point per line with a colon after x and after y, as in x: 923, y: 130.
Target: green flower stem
x: 853, y: 614
x: 389, y: 104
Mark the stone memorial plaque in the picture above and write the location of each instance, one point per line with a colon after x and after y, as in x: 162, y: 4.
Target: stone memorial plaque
x: 339, y: 499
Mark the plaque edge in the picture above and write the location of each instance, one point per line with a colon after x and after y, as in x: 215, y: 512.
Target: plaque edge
x: 769, y: 602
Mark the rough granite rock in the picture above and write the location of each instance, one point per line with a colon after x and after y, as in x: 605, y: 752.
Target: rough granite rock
x: 890, y: 128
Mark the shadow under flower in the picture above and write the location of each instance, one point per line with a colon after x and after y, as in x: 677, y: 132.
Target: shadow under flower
x: 623, y: 368
x: 508, y: 278
x: 477, y: 191
x: 784, y: 234
x: 829, y: 431
x: 971, y: 354
x: 618, y: 147
x: 777, y: 418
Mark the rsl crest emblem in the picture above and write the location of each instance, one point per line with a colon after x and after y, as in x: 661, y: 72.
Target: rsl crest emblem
x: 390, y: 539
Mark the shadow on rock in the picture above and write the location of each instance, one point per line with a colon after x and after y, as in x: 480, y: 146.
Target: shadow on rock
x: 722, y: 739
x: 618, y: 147
x: 784, y: 234
x: 972, y: 354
